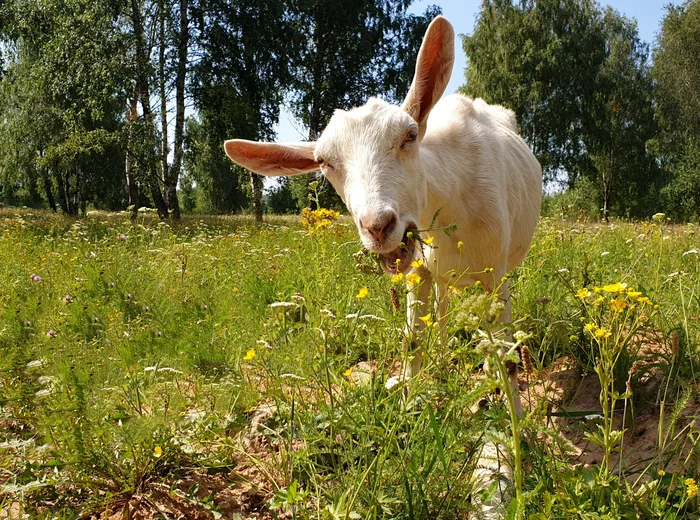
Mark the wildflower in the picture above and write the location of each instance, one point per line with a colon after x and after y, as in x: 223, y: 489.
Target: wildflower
x: 67, y: 299
x: 644, y: 299
x: 583, y: 293
x: 122, y: 237
x: 348, y: 372
x: 328, y: 313
x: 157, y: 451
x: 662, y: 473
x: 362, y: 293
x: 618, y: 305
x: 427, y: 319
x: 691, y: 487
x: 602, y: 332
x: 460, y: 244
x: 417, y: 263
x: 615, y: 288
x: 397, y: 278
x: 250, y: 355
x: 634, y: 295
x: 35, y: 278
x: 413, y: 279
x: 599, y: 300
x: 658, y: 217
x: 428, y: 240
x: 589, y: 327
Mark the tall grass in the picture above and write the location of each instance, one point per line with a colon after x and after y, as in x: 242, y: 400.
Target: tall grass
x: 151, y: 366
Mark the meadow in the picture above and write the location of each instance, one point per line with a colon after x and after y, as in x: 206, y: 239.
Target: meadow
x: 218, y: 369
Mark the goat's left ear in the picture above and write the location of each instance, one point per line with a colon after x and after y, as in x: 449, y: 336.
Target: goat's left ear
x: 433, y: 70
x: 272, y: 159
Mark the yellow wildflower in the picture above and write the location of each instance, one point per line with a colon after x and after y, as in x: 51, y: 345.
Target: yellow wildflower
x: 250, y: 355
x: 634, y: 294
x: 644, y: 299
x: 362, y: 293
x: 662, y: 473
x: 417, y: 263
x: 602, y: 332
x: 618, y: 305
x: 157, y: 451
x: 427, y: 319
x: 599, y: 300
x: 428, y: 240
x: 348, y: 372
x: 460, y: 244
x: 589, y: 326
x: 691, y: 487
x: 615, y: 288
x: 397, y: 278
x: 413, y: 279
x: 583, y: 293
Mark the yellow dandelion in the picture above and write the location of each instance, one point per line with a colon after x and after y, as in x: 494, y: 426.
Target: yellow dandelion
x: 157, y: 451
x: 417, y: 263
x: 413, y: 279
x: 428, y: 240
x: 615, y: 288
x: 397, y: 278
x: 362, y: 293
x: 250, y: 355
x: 618, y: 305
x: 583, y: 293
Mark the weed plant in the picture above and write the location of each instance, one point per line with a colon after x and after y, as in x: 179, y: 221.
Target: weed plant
x: 150, y: 368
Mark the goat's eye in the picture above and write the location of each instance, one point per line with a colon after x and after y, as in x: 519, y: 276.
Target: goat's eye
x: 410, y: 138
x: 323, y: 163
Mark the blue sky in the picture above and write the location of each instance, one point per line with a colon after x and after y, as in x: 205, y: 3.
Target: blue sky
x: 462, y: 14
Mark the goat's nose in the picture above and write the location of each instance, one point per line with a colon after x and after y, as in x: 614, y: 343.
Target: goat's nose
x: 380, y: 225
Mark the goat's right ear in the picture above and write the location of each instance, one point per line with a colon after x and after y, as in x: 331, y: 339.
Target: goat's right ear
x: 272, y: 159
x: 433, y: 70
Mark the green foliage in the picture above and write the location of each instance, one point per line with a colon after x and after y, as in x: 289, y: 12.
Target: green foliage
x: 677, y: 73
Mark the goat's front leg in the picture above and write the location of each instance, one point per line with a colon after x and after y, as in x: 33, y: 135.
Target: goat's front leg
x: 418, y: 304
x: 503, y: 292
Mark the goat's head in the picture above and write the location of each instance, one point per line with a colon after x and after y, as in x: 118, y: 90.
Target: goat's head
x: 371, y: 154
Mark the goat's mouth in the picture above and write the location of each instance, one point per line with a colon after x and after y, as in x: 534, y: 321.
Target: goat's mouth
x: 399, y: 259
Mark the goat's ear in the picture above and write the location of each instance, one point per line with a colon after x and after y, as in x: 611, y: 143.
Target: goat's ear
x: 433, y: 70
x: 272, y: 159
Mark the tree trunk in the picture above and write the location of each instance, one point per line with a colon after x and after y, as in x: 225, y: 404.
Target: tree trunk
x: 132, y: 188
x: 175, y: 169
x: 164, y: 149
x: 152, y: 177
x: 256, y: 193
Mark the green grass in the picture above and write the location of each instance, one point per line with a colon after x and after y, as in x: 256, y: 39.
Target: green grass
x: 127, y: 380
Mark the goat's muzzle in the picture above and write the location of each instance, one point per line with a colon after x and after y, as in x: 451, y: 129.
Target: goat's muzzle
x: 399, y: 259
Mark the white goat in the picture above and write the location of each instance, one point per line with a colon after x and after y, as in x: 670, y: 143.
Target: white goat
x: 395, y: 167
